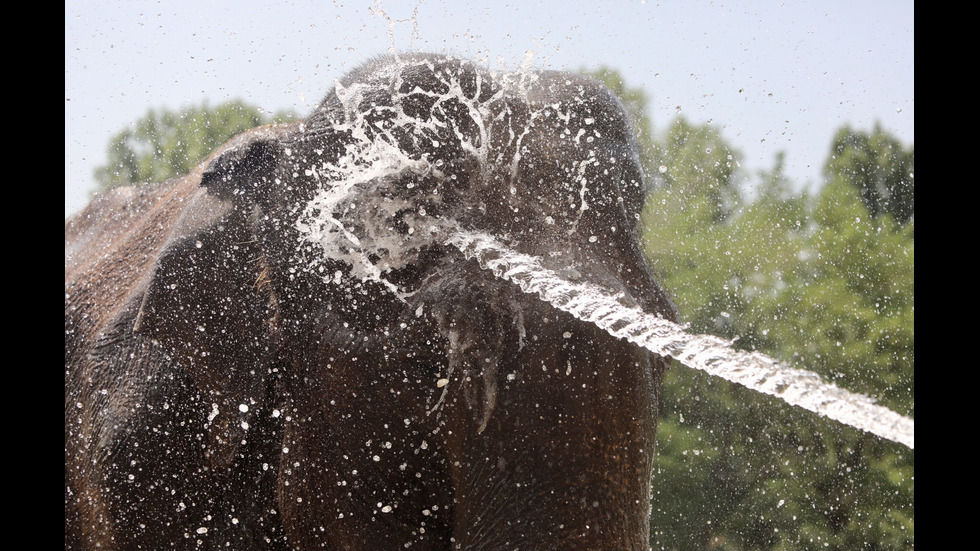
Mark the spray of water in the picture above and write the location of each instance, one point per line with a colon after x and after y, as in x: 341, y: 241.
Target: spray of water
x: 705, y: 352
x: 376, y: 182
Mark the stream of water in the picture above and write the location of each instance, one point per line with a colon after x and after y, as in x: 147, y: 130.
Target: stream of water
x: 705, y: 352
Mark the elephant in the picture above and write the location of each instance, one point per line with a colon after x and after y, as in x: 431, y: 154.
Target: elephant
x: 279, y: 350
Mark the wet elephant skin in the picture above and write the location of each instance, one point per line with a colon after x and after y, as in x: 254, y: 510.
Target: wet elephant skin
x: 241, y: 375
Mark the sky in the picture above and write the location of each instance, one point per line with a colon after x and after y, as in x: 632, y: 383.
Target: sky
x: 771, y: 76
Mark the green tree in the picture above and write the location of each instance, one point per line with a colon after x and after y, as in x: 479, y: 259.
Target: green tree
x: 698, y: 166
x: 689, y: 231
x: 878, y: 165
x: 818, y: 282
x: 164, y: 143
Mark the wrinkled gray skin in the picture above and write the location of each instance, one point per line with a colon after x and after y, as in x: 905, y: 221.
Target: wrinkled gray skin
x: 226, y: 386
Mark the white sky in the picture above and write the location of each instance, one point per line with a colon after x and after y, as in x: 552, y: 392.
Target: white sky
x: 773, y: 76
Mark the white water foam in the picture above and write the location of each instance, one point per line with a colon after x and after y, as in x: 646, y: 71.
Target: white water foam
x: 375, y: 181
x: 705, y: 352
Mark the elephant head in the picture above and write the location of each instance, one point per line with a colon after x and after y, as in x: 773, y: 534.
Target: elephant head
x: 280, y: 350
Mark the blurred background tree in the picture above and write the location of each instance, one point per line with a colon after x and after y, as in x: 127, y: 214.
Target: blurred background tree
x: 879, y: 167
x: 164, y: 143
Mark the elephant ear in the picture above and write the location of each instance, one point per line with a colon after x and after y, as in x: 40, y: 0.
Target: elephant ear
x: 204, y: 299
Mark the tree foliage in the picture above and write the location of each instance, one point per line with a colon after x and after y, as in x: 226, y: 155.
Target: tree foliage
x: 877, y: 165
x: 821, y: 283
x: 164, y: 143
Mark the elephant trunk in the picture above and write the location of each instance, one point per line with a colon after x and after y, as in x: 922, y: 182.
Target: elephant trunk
x: 562, y: 456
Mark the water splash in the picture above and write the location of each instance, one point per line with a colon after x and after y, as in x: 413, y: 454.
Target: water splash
x: 705, y: 352
x: 377, y: 185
